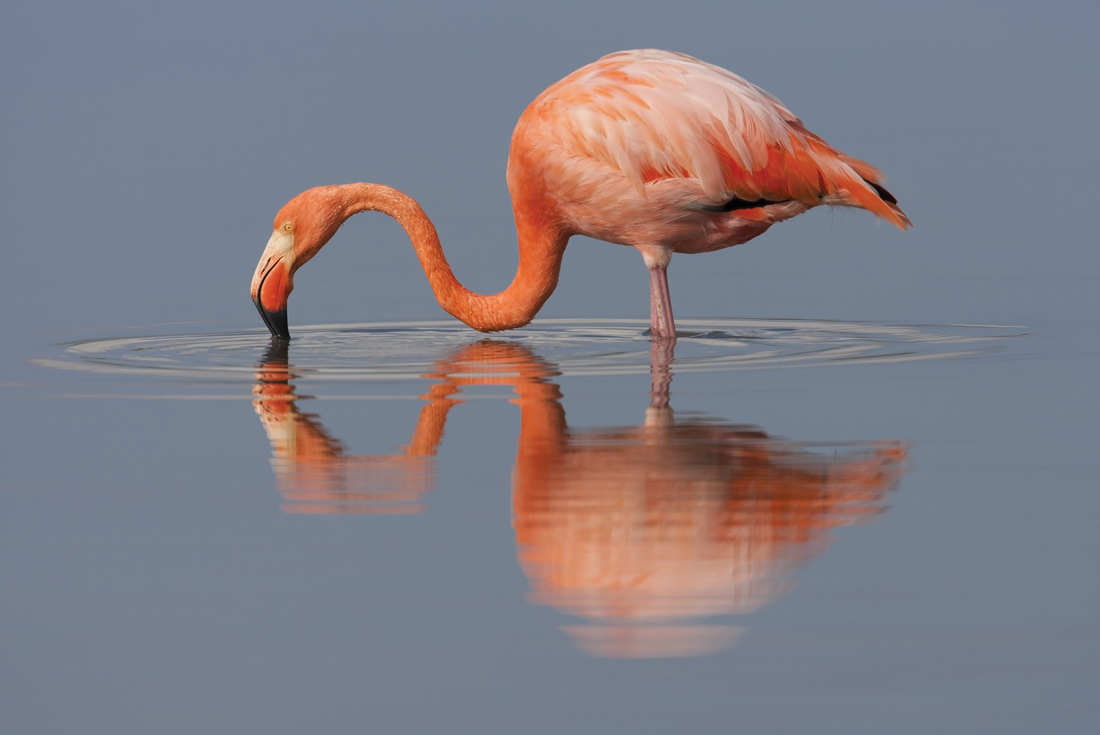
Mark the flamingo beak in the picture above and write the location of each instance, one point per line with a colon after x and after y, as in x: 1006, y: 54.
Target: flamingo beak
x: 270, y: 294
x: 275, y: 321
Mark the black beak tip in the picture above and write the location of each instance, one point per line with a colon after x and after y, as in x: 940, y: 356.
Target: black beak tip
x: 278, y: 326
x: 275, y: 321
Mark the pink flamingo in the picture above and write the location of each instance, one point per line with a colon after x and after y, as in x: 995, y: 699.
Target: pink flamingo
x: 651, y: 149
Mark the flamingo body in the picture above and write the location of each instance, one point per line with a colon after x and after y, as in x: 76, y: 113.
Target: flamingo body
x: 651, y: 149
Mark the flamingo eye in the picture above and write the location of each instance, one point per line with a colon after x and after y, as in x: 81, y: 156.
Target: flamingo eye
x: 288, y: 227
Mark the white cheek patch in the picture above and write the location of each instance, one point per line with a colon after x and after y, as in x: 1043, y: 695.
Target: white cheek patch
x: 281, y: 245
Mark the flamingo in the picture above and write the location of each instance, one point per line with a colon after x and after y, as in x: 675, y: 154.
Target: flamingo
x: 651, y: 149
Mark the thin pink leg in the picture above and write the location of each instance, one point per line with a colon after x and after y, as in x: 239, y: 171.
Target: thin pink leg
x: 661, y: 323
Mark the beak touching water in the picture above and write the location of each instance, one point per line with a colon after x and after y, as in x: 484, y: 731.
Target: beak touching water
x: 271, y: 286
x: 275, y: 319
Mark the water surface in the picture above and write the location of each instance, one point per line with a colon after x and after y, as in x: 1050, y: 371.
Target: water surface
x: 385, y: 505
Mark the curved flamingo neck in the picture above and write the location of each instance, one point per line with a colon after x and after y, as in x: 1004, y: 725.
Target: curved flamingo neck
x: 541, y: 249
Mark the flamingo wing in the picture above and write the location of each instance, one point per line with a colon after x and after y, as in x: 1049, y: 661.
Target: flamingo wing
x: 653, y: 115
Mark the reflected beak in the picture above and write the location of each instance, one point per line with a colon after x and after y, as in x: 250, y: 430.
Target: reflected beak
x: 270, y: 297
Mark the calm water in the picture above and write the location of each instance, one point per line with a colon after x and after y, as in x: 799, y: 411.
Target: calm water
x: 782, y: 522
x: 861, y: 496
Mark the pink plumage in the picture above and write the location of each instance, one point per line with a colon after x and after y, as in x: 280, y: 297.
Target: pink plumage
x: 651, y: 149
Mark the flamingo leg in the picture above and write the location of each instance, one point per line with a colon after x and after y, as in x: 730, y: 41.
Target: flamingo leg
x: 661, y: 323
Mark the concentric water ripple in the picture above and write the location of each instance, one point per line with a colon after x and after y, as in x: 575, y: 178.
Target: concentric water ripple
x: 578, y: 347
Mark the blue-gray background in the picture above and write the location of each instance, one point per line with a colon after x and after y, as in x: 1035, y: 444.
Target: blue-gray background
x: 145, y: 150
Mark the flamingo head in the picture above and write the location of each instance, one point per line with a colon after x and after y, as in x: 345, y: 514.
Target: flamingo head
x: 301, y: 228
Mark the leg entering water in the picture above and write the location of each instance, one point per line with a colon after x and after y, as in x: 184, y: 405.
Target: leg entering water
x: 661, y: 323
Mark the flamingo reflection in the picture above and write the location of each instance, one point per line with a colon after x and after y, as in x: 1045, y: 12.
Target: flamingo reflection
x: 645, y: 532
x: 313, y: 471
